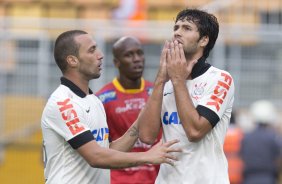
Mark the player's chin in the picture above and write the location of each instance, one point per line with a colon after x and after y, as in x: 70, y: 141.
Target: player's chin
x: 96, y: 75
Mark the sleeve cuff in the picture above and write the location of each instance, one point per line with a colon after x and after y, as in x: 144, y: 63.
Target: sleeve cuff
x: 210, y: 115
x: 81, y: 139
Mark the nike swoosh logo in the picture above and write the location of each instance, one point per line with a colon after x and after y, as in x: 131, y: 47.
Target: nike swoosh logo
x: 168, y: 93
x: 88, y: 110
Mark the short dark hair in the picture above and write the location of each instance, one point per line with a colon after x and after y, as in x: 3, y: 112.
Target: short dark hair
x: 65, y: 45
x: 206, y: 23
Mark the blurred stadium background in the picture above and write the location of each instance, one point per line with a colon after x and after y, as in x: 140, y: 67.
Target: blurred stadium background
x: 249, y: 47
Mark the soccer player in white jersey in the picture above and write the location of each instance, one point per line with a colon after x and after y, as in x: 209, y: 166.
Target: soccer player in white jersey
x: 75, y: 131
x: 194, y: 100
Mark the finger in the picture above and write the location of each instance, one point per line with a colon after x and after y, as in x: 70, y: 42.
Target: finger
x: 169, y: 143
x: 172, y: 51
x: 173, y: 150
x: 164, y: 52
x: 177, y: 50
x: 168, y: 161
x: 171, y: 157
x: 192, y: 63
x: 182, y: 55
x: 169, y: 57
x: 166, y: 45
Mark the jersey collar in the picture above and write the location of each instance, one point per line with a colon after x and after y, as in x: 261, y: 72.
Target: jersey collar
x: 129, y: 91
x: 200, y: 68
x: 74, y: 88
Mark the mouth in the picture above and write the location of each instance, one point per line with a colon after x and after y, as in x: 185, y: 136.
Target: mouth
x: 138, y: 68
x: 100, y: 66
x: 178, y: 40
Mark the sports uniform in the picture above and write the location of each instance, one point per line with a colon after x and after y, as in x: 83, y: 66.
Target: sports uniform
x: 122, y: 107
x: 70, y: 119
x: 203, y: 162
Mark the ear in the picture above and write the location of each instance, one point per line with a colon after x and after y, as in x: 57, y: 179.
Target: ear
x: 204, y: 41
x: 72, y: 60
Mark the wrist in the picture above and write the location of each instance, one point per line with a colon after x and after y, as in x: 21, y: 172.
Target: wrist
x: 143, y: 159
x: 177, y: 81
x: 159, y: 82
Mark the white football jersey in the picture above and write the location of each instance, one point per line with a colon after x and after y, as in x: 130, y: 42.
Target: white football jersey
x: 202, y: 162
x: 70, y: 119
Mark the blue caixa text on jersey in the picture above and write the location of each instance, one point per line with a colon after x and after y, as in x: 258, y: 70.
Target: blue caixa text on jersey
x: 101, y: 134
x: 171, y: 118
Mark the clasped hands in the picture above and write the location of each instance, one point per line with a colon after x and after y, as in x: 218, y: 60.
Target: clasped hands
x: 173, y: 63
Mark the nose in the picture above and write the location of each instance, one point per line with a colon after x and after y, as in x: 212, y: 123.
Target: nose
x: 100, y: 55
x: 176, y: 33
x: 137, y: 57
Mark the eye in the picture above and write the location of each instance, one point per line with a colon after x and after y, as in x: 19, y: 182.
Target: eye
x: 92, y: 49
x: 186, y: 28
x: 129, y: 54
x: 140, y: 52
x: 175, y: 28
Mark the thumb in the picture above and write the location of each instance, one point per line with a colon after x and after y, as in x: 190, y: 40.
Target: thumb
x: 191, y: 64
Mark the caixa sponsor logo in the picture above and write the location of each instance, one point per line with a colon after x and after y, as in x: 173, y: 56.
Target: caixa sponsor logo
x: 101, y: 134
x: 171, y: 118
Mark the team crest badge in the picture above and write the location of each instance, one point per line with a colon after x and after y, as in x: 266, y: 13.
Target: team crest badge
x: 198, y: 90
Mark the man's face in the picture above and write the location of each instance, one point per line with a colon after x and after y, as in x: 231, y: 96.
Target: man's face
x: 186, y: 32
x: 130, y: 61
x: 90, y: 57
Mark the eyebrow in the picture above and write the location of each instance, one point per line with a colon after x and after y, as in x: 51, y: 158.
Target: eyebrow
x: 93, y: 47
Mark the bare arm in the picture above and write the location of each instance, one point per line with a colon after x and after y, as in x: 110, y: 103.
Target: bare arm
x: 149, y: 118
x: 106, y: 158
x: 127, y: 140
x: 195, y: 126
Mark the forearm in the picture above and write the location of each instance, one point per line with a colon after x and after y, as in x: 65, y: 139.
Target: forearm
x: 112, y: 159
x: 192, y: 122
x: 149, y: 118
x: 126, y: 142
x: 100, y: 157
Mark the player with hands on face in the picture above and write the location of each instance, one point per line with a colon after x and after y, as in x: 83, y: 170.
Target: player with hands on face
x: 191, y: 101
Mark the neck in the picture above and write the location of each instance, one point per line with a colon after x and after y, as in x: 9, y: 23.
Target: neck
x: 79, y: 81
x: 193, y: 57
x: 127, y: 83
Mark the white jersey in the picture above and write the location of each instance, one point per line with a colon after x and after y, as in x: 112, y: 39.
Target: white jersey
x: 202, y: 162
x: 70, y: 119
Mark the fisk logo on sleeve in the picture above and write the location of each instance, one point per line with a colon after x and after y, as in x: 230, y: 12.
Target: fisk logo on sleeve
x: 70, y: 116
x: 220, y: 91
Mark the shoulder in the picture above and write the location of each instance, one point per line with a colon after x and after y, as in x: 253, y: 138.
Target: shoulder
x: 216, y: 72
x: 219, y: 73
x: 219, y: 77
x: 58, y: 95
x: 59, y: 100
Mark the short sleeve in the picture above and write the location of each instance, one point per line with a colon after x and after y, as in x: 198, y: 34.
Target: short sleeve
x: 66, y: 118
x: 218, y: 97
